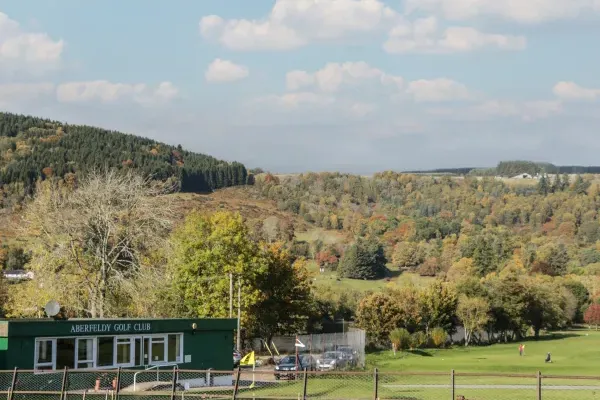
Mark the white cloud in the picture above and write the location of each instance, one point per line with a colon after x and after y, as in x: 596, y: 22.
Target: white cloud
x: 296, y: 99
x: 421, y: 36
x: 438, y: 90
x: 21, y: 92
x: 225, y: 71
x: 333, y: 76
x: 571, y: 91
x: 108, y: 92
x: 19, y: 49
x: 524, y: 11
x: 295, y: 23
x: 360, y: 109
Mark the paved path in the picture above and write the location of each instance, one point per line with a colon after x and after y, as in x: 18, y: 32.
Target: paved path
x: 525, y: 387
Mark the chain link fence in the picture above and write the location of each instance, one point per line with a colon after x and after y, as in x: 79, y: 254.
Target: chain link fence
x: 167, y: 383
x: 349, y: 345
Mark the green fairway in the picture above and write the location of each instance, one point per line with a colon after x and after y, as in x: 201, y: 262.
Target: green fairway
x: 573, y: 353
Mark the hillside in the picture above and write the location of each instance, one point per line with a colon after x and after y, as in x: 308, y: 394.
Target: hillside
x: 33, y: 148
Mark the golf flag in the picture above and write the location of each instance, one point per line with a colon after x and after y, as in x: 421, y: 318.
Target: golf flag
x: 248, y: 360
x: 299, y: 343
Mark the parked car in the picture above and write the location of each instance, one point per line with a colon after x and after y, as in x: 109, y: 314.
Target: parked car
x: 237, y: 357
x: 286, y: 368
x: 332, y: 360
x: 308, y: 362
x: 349, y: 353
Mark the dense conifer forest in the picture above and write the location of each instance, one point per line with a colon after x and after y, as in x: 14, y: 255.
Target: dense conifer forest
x: 35, y: 149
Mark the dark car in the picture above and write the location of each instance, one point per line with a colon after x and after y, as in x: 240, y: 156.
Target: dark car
x: 349, y: 353
x: 289, y: 365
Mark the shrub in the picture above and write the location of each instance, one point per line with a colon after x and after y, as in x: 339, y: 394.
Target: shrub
x: 401, y: 339
x: 438, y: 337
x: 418, y: 340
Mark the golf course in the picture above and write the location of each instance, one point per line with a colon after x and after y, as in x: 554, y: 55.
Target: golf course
x: 492, y: 372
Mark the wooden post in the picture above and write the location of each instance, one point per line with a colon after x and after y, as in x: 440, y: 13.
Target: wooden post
x: 64, y: 383
x: 376, y: 384
x: 452, y: 383
x: 175, y: 372
x: 305, y: 384
x: 12, y: 385
x: 118, y: 383
x: 539, y: 385
x: 237, y: 384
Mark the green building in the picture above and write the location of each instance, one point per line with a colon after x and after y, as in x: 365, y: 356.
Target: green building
x: 93, y: 344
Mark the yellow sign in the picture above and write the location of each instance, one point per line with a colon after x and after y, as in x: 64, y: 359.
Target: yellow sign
x: 248, y: 360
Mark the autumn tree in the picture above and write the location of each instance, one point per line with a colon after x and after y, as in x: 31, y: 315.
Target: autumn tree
x: 592, y: 315
x: 438, y: 303
x: 378, y: 314
x: 474, y: 313
x: 93, y: 239
x: 285, y: 291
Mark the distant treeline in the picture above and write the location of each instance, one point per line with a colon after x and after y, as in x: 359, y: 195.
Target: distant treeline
x: 34, y: 148
x: 513, y: 168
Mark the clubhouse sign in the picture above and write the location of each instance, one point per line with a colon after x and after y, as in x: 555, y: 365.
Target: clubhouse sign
x: 112, y: 328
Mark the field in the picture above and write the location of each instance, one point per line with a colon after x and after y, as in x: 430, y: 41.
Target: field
x: 482, y: 373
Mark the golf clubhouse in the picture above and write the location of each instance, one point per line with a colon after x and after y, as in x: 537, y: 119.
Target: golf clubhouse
x: 92, y: 344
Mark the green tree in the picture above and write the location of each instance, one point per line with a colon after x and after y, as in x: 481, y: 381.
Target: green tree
x: 400, y: 339
x: 543, y: 187
x: 364, y: 259
x: 438, y: 303
x: 474, y: 314
x: 438, y: 337
x: 206, y: 250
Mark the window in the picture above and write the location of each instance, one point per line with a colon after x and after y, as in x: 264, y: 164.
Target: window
x: 106, y: 352
x: 157, y: 349
x: 85, y: 353
x: 44, y: 351
x: 123, y: 351
x: 65, y: 353
x: 174, y: 348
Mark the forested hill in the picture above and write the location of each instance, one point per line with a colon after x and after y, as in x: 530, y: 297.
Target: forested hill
x: 34, y: 148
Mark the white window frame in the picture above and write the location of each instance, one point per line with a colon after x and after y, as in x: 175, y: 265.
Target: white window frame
x: 77, y: 360
x: 164, y: 337
x: 52, y: 363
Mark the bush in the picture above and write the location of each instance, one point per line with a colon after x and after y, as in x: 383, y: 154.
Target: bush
x: 418, y: 340
x: 401, y: 339
x: 438, y: 337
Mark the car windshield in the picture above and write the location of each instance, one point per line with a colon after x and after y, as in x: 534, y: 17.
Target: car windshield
x: 330, y: 354
x: 288, y: 360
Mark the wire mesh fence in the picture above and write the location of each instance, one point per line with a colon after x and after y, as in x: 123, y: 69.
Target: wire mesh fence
x: 350, y: 345
x: 167, y: 383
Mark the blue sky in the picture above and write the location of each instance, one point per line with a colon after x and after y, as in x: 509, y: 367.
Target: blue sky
x: 296, y: 85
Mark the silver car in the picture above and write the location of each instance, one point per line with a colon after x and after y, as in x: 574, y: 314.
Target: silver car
x: 331, y: 360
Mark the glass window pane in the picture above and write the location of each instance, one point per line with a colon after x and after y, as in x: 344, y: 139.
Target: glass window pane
x: 44, y: 348
x: 85, y: 350
x: 139, y: 360
x: 158, y: 350
x: 174, y: 348
x: 105, y: 351
x: 124, y: 352
x: 65, y: 353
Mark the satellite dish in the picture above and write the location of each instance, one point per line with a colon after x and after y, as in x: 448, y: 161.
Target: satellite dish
x: 52, y: 308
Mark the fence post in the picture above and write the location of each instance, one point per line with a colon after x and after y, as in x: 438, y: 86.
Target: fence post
x: 64, y: 383
x: 175, y: 372
x: 452, y: 383
x: 375, y: 384
x: 305, y: 384
x: 237, y: 383
x: 118, y: 383
x: 12, y: 385
x: 539, y: 385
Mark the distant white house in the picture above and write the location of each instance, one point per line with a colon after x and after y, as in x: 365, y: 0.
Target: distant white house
x: 522, y: 176
x: 18, y: 274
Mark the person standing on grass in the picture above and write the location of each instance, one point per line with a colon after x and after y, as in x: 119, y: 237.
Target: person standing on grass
x: 521, y: 349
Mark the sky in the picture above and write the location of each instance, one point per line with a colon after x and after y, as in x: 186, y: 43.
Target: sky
x: 311, y: 85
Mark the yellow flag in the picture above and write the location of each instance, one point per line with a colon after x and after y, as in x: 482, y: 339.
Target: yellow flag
x: 248, y: 359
